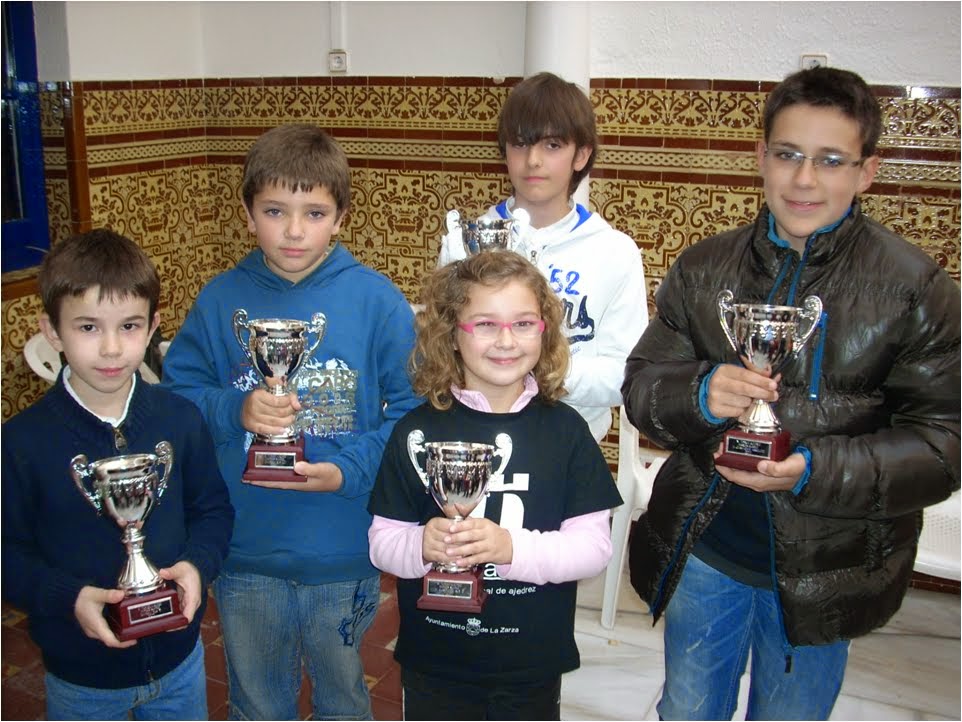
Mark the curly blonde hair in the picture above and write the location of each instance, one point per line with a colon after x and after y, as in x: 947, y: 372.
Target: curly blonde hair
x: 435, y: 362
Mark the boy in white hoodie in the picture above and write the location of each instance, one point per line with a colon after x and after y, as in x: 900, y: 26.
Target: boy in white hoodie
x: 547, y: 136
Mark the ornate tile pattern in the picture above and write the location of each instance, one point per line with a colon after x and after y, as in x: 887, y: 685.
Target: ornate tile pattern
x: 161, y: 161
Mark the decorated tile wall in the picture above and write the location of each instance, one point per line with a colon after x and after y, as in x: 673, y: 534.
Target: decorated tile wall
x: 161, y: 162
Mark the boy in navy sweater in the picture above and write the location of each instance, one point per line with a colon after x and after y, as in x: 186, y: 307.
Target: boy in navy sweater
x: 60, y: 558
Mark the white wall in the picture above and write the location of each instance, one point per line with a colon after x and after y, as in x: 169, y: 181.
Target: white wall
x: 897, y: 43
x: 133, y: 40
x: 892, y: 43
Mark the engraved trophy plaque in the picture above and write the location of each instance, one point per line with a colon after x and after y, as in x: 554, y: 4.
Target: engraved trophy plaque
x: 456, y: 475
x: 765, y: 338
x: 488, y: 234
x: 277, y: 348
x: 127, y: 488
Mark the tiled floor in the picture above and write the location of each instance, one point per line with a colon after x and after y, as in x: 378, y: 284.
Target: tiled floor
x: 910, y: 669
x: 23, y: 686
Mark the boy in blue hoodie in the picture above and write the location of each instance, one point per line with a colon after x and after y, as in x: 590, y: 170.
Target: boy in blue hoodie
x: 297, y: 583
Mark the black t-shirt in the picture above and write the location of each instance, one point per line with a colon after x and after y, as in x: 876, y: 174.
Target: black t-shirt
x: 556, y: 471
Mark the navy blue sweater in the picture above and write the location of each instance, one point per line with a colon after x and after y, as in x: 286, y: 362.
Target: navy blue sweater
x: 55, y: 543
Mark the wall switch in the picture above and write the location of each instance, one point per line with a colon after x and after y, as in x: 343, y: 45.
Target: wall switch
x: 337, y: 61
x: 813, y: 60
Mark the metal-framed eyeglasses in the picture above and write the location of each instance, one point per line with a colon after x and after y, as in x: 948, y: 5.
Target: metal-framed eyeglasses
x: 487, y: 329
x: 824, y: 162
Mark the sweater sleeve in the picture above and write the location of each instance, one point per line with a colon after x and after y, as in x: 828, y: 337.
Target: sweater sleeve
x: 396, y: 547
x: 29, y: 582
x: 580, y: 549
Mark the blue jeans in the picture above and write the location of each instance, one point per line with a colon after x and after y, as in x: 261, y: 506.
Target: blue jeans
x: 710, y: 624
x: 270, y: 625
x: 181, y: 694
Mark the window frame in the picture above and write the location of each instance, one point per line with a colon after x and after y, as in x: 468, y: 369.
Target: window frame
x: 25, y: 240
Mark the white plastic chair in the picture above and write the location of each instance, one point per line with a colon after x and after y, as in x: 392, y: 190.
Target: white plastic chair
x: 44, y: 360
x: 939, y: 543
x: 637, y: 469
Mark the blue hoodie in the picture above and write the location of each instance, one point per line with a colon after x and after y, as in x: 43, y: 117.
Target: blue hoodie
x: 354, y: 387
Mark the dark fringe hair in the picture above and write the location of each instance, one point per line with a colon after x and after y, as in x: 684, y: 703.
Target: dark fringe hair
x: 101, y: 258
x: 545, y: 106
x: 826, y: 87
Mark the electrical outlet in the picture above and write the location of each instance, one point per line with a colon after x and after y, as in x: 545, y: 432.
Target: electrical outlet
x: 813, y: 60
x: 337, y: 61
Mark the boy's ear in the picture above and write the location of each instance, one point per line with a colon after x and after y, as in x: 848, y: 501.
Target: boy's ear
x: 581, y: 157
x: 250, y: 220
x: 336, y: 228
x: 760, y: 155
x: 154, y: 324
x: 867, y: 173
x: 50, y: 333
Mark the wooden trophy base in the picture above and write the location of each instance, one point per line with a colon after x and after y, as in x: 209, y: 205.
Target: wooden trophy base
x: 744, y: 449
x: 453, y: 592
x: 142, y: 614
x: 274, y: 462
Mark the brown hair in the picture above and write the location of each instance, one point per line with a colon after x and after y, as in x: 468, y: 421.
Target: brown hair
x: 545, y: 106
x: 99, y: 258
x: 825, y: 87
x: 436, y: 364
x: 298, y: 157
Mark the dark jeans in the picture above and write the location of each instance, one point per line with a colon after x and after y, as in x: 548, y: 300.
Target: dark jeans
x: 434, y: 698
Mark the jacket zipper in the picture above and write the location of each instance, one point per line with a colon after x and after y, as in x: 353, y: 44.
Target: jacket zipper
x: 788, y: 649
x: 681, y: 541
x: 119, y: 440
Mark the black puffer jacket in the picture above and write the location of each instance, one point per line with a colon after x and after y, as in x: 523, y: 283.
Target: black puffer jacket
x: 883, y: 431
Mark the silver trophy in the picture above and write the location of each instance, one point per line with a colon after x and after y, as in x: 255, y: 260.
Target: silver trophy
x: 456, y: 474
x: 488, y: 234
x: 765, y: 338
x: 277, y: 348
x: 127, y: 488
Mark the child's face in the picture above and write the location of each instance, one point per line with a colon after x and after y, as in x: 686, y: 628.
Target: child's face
x: 294, y: 230
x: 541, y: 173
x: 497, y: 367
x: 805, y: 198
x: 104, y: 342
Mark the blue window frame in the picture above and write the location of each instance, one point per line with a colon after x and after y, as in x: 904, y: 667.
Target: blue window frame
x: 26, y: 235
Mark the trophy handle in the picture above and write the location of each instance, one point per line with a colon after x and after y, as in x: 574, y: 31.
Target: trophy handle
x: 452, y: 221
x: 165, y: 456
x: 504, y: 446
x: 725, y: 307
x: 80, y: 470
x: 415, y: 447
x: 238, y: 322
x: 318, y: 325
x: 522, y: 219
x: 812, y: 312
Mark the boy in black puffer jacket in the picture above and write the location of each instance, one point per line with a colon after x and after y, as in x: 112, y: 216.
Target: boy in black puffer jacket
x: 794, y: 558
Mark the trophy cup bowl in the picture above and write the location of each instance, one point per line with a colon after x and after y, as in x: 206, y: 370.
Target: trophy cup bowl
x: 127, y: 488
x: 765, y: 337
x: 487, y: 234
x: 456, y: 475
x: 277, y: 348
